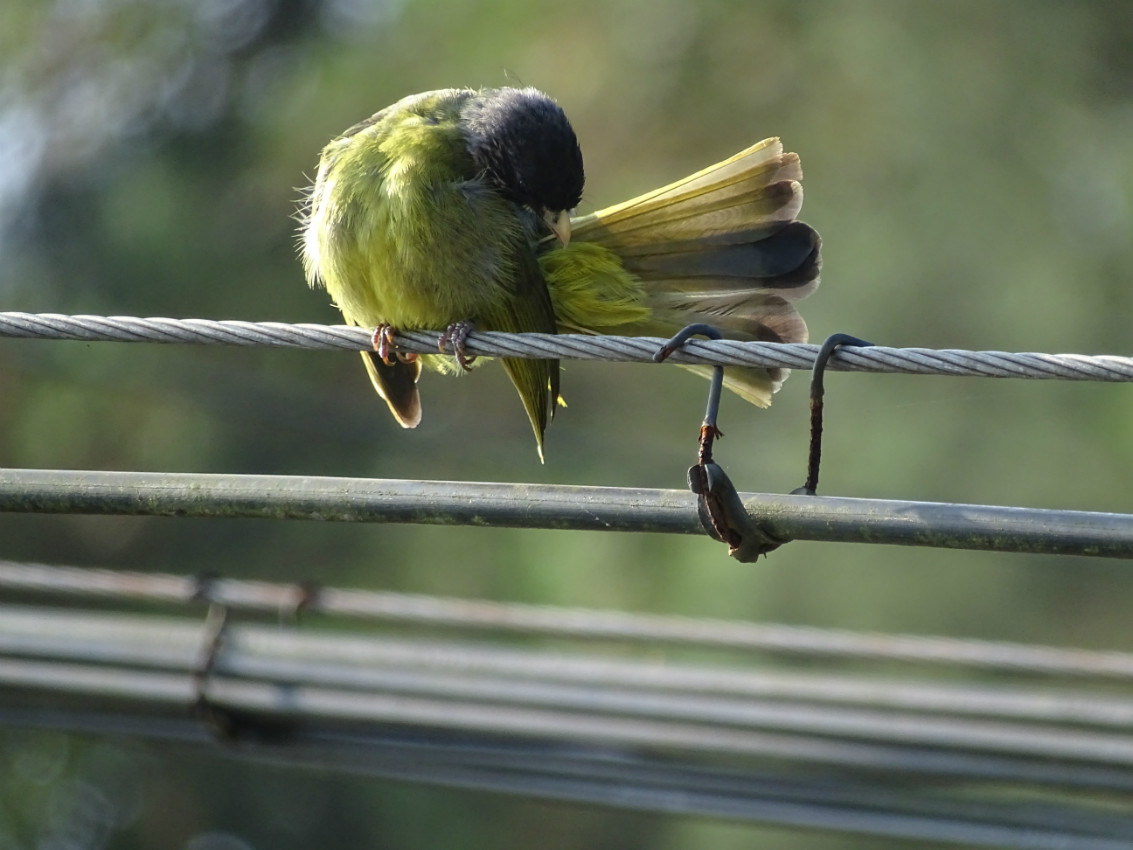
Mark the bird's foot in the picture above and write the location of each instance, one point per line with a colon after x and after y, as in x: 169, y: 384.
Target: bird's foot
x: 456, y: 335
x: 384, y: 344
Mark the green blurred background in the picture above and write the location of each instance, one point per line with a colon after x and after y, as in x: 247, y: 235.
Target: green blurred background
x: 968, y: 164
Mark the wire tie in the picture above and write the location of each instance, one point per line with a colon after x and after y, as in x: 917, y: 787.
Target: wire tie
x: 817, y: 392
x: 721, y: 511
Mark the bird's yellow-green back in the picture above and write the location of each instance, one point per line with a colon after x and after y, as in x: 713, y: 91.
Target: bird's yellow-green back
x: 721, y: 246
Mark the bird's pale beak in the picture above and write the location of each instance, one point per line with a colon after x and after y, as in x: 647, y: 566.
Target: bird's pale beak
x: 559, y: 222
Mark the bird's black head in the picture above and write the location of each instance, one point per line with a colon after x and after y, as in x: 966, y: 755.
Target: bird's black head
x: 522, y: 139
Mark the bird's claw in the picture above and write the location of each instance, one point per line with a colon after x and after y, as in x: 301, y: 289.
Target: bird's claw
x: 456, y: 335
x: 385, y: 345
x: 382, y: 341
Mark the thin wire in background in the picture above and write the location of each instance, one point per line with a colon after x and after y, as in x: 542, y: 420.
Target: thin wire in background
x: 628, y: 712
x: 277, y: 599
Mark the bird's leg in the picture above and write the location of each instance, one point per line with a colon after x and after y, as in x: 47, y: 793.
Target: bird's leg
x: 384, y: 343
x: 456, y: 334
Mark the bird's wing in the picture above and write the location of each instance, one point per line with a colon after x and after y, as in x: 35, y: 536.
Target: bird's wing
x: 529, y: 310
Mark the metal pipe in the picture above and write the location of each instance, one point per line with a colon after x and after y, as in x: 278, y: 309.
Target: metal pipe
x: 498, y: 505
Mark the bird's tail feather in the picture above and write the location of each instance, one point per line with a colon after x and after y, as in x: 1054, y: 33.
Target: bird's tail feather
x: 721, y: 246
x: 396, y: 383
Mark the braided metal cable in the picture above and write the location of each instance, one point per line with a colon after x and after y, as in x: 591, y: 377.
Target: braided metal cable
x: 916, y: 361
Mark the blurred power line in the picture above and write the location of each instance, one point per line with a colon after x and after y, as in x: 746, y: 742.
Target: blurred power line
x: 587, y: 706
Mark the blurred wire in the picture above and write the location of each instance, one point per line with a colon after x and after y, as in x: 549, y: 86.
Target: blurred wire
x: 1035, y: 763
x: 91, y: 584
x: 628, y: 780
x: 483, y: 504
x: 921, y: 361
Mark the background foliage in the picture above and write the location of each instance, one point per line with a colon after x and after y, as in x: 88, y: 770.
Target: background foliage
x: 968, y: 166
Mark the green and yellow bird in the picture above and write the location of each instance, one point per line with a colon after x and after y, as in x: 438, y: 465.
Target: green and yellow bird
x: 452, y: 209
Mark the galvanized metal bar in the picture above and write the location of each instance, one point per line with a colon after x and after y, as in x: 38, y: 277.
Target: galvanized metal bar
x: 499, y: 505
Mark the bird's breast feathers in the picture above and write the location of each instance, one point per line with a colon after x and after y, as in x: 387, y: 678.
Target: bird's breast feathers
x: 402, y: 231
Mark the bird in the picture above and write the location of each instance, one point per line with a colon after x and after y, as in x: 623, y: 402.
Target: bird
x: 454, y: 209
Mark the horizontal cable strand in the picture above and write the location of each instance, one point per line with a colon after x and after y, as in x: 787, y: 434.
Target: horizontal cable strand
x: 645, y: 784
x: 675, y: 691
x: 544, y: 747
x: 106, y: 655
x: 576, y: 623
x: 920, y: 361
